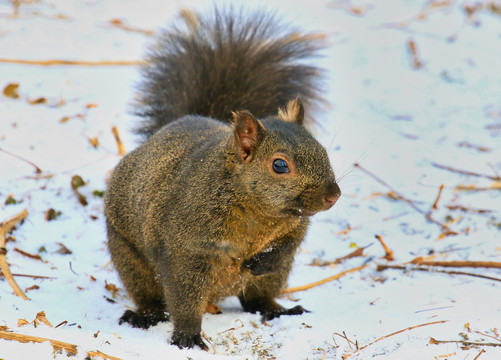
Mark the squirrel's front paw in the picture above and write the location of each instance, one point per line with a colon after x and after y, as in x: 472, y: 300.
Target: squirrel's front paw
x: 184, y: 341
x: 143, y: 319
x: 296, y: 310
x: 262, y: 263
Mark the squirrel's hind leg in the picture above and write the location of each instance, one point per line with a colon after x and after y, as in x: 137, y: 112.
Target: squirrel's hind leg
x: 140, y: 280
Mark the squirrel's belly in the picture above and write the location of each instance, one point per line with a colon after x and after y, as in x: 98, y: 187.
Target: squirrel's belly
x: 229, y: 282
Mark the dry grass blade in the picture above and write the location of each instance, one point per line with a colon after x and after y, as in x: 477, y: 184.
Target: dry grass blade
x: 37, y: 169
x: 394, y: 333
x: 57, y: 345
x: 5, y: 228
x: 323, y: 281
x: 121, y: 148
x: 462, y: 342
x: 398, y: 196
x: 57, y: 62
x: 465, y: 172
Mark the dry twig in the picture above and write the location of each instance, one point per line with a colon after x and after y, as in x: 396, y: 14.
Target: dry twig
x: 461, y: 263
x: 30, y: 276
x: 416, y: 61
x: 462, y: 342
x: 432, y: 269
x: 394, y: 333
x: 388, y: 252
x: 323, y: 281
x: 5, y: 228
x: 478, y: 355
x: 465, y: 172
x: 57, y: 345
x: 401, y: 197
x: 435, y: 204
x: 58, y: 62
x: 37, y: 169
x: 356, y: 253
x: 121, y: 148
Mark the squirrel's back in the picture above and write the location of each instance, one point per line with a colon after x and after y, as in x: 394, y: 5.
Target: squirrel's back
x: 213, y: 65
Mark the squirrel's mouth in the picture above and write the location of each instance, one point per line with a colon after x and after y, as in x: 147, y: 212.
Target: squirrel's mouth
x: 301, y: 212
x: 308, y: 205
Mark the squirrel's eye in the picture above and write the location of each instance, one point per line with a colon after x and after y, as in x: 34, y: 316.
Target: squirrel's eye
x: 280, y: 166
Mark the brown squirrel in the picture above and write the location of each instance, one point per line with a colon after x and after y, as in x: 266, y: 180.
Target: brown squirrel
x: 207, y: 208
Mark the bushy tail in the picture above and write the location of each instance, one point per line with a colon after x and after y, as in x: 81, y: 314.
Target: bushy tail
x: 213, y: 65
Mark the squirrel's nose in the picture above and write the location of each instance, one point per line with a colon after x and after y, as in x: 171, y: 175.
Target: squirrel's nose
x: 333, y: 194
x: 331, y: 200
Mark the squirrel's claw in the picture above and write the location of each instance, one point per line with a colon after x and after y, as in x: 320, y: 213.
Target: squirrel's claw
x: 189, y: 341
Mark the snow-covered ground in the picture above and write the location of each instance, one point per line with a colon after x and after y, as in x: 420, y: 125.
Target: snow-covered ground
x: 411, y: 84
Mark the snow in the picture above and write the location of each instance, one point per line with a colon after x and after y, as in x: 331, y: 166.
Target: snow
x: 391, y: 118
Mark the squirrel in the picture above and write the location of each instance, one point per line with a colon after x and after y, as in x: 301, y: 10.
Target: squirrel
x: 217, y: 199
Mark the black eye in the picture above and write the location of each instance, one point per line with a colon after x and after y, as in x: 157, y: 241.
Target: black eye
x: 280, y: 166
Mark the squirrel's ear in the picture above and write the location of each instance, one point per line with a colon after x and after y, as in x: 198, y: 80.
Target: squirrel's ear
x: 293, y: 112
x: 248, y: 134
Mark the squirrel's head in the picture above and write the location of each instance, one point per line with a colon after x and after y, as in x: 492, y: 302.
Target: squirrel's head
x: 282, y: 168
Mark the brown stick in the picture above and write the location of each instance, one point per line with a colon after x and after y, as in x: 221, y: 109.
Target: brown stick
x: 401, y: 197
x: 465, y: 172
x: 478, y: 355
x: 37, y: 169
x: 431, y: 269
x: 462, y: 263
x: 435, y: 204
x: 462, y: 342
x: 121, y: 148
x: 323, y: 281
x: 395, y: 333
x: 416, y: 61
x: 5, y: 228
x: 30, y: 276
x: 57, y: 62
x: 27, y: 254
x: 355, y: 253
x: 57, y: 345
x: 389, y: 253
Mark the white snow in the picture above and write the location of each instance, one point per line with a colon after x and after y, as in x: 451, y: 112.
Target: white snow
x: 392, y: 119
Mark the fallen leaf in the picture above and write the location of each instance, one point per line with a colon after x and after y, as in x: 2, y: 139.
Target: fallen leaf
x: 52, y: 214
x: 76, y: 182
x: 22, y: 322
x: 11, y: 91
x: 82, y: 199
x: 91, y: 106
x: 34, y: 287
x: 63, y: 249
x: 10, y: 200
x: 94, y: 142
x: 111, y: 288
x: 98, y: 193
x: 41, y: 318
x: 38, y: 101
